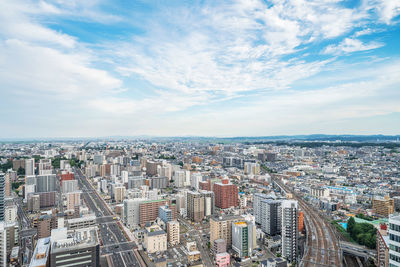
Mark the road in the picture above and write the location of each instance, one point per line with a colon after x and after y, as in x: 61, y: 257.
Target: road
x: 322, y: 247
x: 201, y: 246
x: 26, y: 232
x: 115, y: 244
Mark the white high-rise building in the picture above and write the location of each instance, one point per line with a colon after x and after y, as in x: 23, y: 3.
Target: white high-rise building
x: 179, y: 178
x: 394, y: 241
x: 195, y: 179
x: 131, y: 212
x: 124, y: 176
x: 30, y: 167
x: 289, y: 230
x: 69, y: 186
x: 10, y: 215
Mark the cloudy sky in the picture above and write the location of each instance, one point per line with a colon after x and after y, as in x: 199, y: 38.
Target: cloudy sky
x: 72, y: 68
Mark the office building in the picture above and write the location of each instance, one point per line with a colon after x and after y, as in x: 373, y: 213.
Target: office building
x: 159, y: 182
x: 289, y: 230
x: 131, y: 212
x: 69, y: 186
x: 136, y: 182
x: 81, y: 222
x: 165, y: 214
x: 75, y: 248
x: 173, y: 232
x: 195, y: 179
x: 226, y: 195
x: 243, y: 238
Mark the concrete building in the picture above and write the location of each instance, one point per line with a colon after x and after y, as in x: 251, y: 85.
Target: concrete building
x: 258, y: 197
x: 382, y: 248
x: 221, y: 228
x: 44, y: 226
x: 73, y: 199
x: 81, y: 222
x: 155, y: 239
x: 271, y: 216
x: 40, y: 257
x: 383, y: 206
x: 2, y: 196
x: 75, y: 248
x: 219, y: 246
x: 136, y: 182
x: 243, y: 238
x: 274, y: 262
x: 226, y: 195
x: 149, y: 210
x: 119, y: 193
x: 394, y: 241
x: 159, y: 182
x: 10, y: 213
x: 46, y: 183
x: 69, y: 186
x: 222, y: 259
x: 3, y: 245
x: 173, y: 232
x: 165, y: 214
x: 131, y: 212
x: 290, y: 230
x: 195, y: 206
x: 251, y: 168
x: 29, y: 167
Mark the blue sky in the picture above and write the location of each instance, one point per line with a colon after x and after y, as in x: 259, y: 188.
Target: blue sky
x: 72, y: 68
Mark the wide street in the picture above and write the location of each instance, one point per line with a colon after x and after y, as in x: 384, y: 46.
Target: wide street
x: 115, y: 244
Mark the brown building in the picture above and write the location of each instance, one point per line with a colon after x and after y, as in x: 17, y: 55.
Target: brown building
x: 44, y: 226
x: 47, y: 199
x: 151, y: 167
x: 221, y: 228
x: 149, y: 210
x: 18, y: 163
x: 383, y: 206
x: 195, y: 206
x: 226, y: 195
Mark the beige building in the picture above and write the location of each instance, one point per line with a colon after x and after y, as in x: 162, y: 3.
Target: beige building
x: 221, y: 228
x: 119, y: 193
x: 155, y: 239
x: 383, y: 206
x: 173, y: 233
x: 195, y: 206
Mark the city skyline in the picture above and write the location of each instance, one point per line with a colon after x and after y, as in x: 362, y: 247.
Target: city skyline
x: 233, y: 68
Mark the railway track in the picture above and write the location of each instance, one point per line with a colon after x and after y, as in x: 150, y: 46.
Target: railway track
x: 322, y: 245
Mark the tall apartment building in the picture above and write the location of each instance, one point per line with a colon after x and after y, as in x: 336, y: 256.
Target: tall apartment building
x: 394, y: 241
x: 69, y: 186
x: 119, y: 193
x: 195, y: 206
x: 160, y: 182
x: 251, y: 168
x: 383, y: 206
x: 290, y: 230
x: 44, y: 226
x: 243, y: 238
x: 29, y: 167
x: 131, y: 212
x: 3, y: 245
x: 173, y: 232
x: 2, y: 196
x: 226, y: 195
x: 209, y: 202
x: 258, y: 197
x: 221, y: 228
x: 151, y: 167
x: 46, y: 183
x: 271, y: 216
x: 149, y: 210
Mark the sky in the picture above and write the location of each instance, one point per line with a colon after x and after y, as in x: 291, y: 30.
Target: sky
x: 94, y: 68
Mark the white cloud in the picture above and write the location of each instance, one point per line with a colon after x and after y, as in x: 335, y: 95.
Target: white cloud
x: 349, y: 45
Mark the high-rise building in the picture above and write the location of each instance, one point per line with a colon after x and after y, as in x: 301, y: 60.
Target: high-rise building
x: 195, y: 178
x: 44, y: 226
x: 119, y: 193
x: 136, y: 182
x: 173, y: 233
x: 73, y: 199
x: 2, y: 195
x: 7, y: 184
x: 30, y: 167
x: 258, y: 197
x: 243, y: 238
x: 382, y: 247
x: 69, y: 186
x: 10, y: 213
x: 195, y: 206
x: 209, y: 202
x: 221, y: 228
x: 3, y: 245
x: 394, y: 240
x: 226, y: 195
x: 46, y: 183
x: 271, y: 216
x: 149, y: 210
x: 251, y: 168
x: 131, y: 212
x: 290, y: 230
x: 159, y: 182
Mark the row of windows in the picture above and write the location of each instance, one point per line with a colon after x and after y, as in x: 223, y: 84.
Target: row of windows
x: 394, y: 237
x: 394, y: 227
x: 395, y: 258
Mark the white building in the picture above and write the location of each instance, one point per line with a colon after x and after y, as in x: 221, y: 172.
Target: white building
x: 3, y: 245
x: 131, y: 212
x: 394, y: 241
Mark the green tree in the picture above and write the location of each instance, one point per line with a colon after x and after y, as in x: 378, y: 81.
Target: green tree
x: 350, y: 225
x: 21, y: 171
